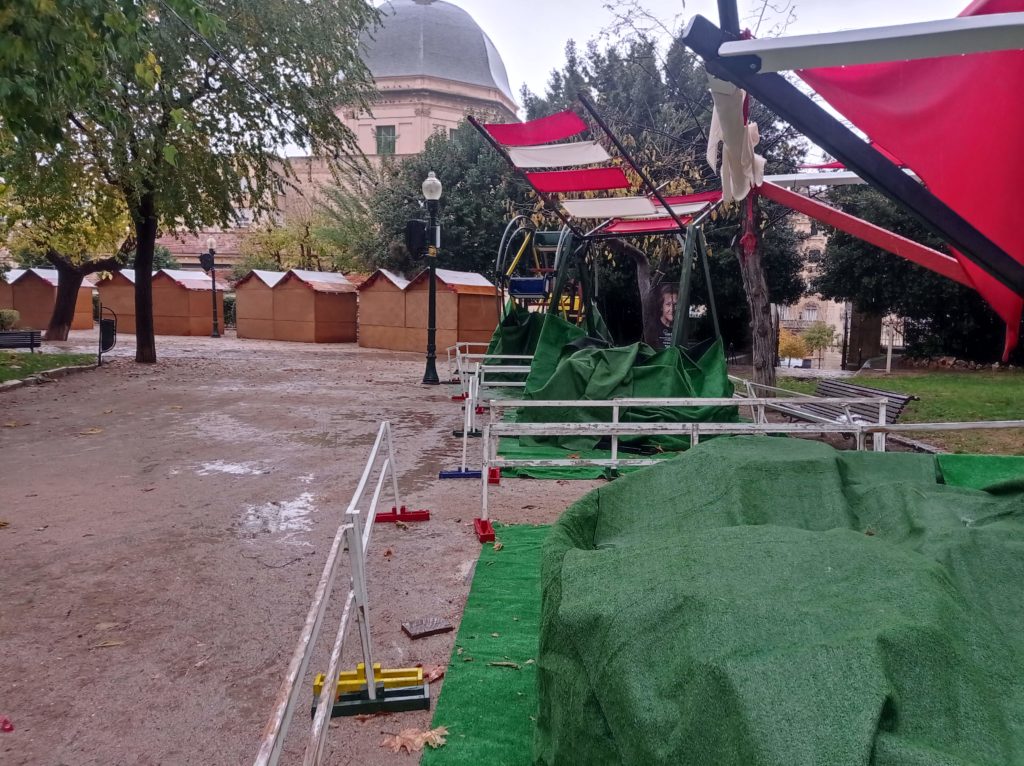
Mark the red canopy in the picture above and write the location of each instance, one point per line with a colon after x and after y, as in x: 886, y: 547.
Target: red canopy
x: 956, y: 121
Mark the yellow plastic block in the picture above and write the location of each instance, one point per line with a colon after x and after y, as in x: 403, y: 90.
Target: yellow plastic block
x: 355, y: 680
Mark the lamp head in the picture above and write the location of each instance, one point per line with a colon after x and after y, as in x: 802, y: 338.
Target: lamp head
x: 211, y: 243
x: 432, y: 187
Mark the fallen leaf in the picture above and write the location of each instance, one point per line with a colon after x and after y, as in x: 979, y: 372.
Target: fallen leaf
x: 4, y: 524
x: 401, y: 525
x: 11, y: 424
x: 413, y: 740
x: 107, y: 644
x: 108, y: 412
x: 387, y: 553
x: 107, y: 625
x: 574, y: 456
x: 90, y: 432
x: 433, y: 672
x: 498, y: 545
x: 176, y: 407
x: 458, y: 651
x: 495, y: 635
x: 529, y: 662
x: 513, y: 665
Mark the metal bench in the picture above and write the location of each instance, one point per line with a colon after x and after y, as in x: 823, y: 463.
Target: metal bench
x: 895, y: 402
x: 30, y: 339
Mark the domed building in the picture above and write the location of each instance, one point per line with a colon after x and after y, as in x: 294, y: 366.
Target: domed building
x: 433, y: 65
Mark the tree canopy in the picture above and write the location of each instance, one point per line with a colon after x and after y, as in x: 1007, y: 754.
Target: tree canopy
x: 943, y: 317
x: 179, y: 109
x: 480, y: 195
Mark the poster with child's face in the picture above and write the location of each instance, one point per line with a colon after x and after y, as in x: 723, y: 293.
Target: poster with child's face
x: 662, y: 315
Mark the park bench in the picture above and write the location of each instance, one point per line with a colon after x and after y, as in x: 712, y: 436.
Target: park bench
x: 826, y: 412
x: 30, y: 339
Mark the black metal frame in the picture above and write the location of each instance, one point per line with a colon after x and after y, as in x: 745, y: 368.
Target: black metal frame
x: 779, y: 95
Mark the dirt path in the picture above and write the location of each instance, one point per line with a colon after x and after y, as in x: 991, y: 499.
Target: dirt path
x: 165, y: 529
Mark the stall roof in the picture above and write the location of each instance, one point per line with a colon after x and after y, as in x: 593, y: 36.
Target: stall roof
x: 269, y: 278
x: 323, y: 281
x: 11, y: 275
x: 398, y: 281
x: 48, y: 275
x: 190, y: 280
x: 462, y: 282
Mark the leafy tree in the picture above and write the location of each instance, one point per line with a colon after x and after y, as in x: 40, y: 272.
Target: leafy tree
x: 942, y: 316
x: 661, y: 109
x: 479, y: 195
x: 43, y: 230
x: 791, y: 345
x: 179, y: 108
x: 818, y: 337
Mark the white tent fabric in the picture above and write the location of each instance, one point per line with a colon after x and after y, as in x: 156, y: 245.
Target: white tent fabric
x: 558, y: 155
x: 742, y: 168
x: 609, y: 207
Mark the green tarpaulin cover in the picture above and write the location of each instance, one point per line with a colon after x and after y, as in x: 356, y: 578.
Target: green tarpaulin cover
x: 568, y: 365
x: 760, y: 601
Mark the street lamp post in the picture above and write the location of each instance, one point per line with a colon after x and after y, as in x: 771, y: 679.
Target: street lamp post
x: 432, y: 192
x: 211, y: 243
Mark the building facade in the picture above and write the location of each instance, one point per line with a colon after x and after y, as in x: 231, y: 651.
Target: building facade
x: 433, y: 66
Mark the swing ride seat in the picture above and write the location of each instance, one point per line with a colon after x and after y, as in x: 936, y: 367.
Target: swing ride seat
x: 528, y: 287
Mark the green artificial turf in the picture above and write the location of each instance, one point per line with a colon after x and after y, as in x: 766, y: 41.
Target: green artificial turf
x: 490, y: 709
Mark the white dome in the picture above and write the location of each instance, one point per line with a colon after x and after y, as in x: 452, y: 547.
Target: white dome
x: 434, y: 38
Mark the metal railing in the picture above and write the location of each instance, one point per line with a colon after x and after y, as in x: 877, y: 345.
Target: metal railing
x: 861, y: 429
x: 353, y: 535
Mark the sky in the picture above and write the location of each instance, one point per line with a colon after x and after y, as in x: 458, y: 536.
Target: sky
x: 531, y: 34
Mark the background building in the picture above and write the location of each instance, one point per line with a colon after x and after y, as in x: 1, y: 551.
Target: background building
x: 433, y: 66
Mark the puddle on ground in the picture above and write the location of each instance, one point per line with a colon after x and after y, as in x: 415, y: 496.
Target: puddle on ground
x: 288, y: 518
x: 234, y: 469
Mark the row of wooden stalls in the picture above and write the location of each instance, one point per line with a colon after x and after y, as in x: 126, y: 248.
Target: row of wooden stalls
x: 385, y: 311
x: 393, y: 310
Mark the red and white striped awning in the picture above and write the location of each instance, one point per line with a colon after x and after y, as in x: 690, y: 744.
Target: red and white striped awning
x: 554, y: 159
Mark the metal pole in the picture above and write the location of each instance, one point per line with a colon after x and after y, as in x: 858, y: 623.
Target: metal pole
x: 729, y: 16
x: 430, y: 374
x: 213, y: 293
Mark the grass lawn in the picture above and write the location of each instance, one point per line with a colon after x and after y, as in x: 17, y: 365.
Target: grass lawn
x: 950, y: 396
x: 14, y: 365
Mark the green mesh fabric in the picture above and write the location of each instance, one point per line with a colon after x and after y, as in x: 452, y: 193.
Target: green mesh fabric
x: 774, y: 602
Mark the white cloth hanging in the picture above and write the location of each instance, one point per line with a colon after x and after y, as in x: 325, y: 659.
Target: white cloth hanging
x: 742, y: 168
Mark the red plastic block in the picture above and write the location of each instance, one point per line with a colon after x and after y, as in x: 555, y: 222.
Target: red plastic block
x: 459, y: 398
x: 5, y: 725
x: 401, y: 514
x: 484, y: 530
x: 494, y: 476
x: 479, y: 409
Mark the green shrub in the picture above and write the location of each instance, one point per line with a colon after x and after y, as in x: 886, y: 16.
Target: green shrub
x: 8, y: 318
x: 229, y: 310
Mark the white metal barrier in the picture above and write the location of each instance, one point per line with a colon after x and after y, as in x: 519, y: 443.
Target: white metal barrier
x: 354, y: 535
x: 493, y: 432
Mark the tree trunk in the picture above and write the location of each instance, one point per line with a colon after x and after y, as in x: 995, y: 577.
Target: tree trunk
x: 756, y: 287
x: 643, y: 283
x: 145, y: 235
x: 69, y: 282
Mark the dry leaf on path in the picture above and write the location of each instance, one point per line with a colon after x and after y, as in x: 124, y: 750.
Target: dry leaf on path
x: 90, y: 432
x: 13, y: 424
x: 433, y: 672
x: 513, y: 665
x: 4, y: 524
x: 498, y: 545
x: 413, y: 740
x: 107, y: 644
